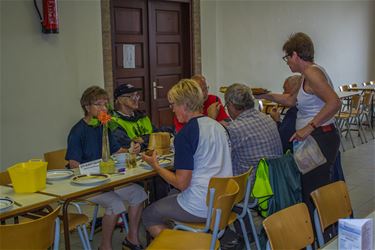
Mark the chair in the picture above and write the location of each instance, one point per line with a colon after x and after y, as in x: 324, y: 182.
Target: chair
x: 41, y: 233
x: 56, y: 159
x: 225, y: 192
x: 242, y: 200
x: 346, y: 117
x: 366, y: 109
x: 289, y: 228
x: 332, y: 203
x: 344, y: 88
x: 368, y: 83
x: 78, y: 220
x: 353, y: 85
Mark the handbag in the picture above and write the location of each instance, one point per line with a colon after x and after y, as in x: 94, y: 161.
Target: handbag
x: 308, y: 155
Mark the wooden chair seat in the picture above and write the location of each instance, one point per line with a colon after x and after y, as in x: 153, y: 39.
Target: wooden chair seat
x: 176, y: 239
x: 75, y: 220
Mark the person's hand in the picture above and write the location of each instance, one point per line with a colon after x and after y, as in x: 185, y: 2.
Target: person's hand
x: 151, y: 160
x: 139, y: 140
x: 135, y: 148
x: 213, y: 110
x: 302, y: 133
x: 275, y: 115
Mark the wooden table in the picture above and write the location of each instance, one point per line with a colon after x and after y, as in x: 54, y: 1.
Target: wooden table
x: 26, y: 202
x: 333, y: 244
x: 363, y: 88
x: 67, y: 191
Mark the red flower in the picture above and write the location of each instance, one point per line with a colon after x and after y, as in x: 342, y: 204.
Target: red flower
x: 104, y: 118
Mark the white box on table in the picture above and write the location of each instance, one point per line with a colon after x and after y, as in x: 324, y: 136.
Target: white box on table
x: 355, y: 234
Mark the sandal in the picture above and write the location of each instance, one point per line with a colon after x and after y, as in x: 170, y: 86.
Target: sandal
x: 127, y: 244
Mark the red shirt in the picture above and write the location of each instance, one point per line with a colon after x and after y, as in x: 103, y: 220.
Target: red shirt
x: 210, y: 99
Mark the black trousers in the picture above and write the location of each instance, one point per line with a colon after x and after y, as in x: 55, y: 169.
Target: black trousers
x: 329, y: 143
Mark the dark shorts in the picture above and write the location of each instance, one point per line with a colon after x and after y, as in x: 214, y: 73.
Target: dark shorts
x: 163, y: 211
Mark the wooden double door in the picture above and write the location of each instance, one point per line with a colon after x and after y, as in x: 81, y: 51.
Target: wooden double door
x: 151, y: 49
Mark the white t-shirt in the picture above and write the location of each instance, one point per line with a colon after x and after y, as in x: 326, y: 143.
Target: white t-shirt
x: 202, y: 146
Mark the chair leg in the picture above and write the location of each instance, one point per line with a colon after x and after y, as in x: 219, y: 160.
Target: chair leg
x: 125, y: 221
x: 56, y: 241
x: 244, y: 233
x: 86, y: 236
x: 255, y: 234
x: 82, y: 238
x: 347, y: 124
x: 95, y: 215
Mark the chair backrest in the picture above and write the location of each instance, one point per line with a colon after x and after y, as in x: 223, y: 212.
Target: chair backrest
x: 224, y: 202
x: 290, y: 228
x: 368, y: 83
x: 344, y: 88
x: 34, y: 234
x: 5, y: 178
x: 353, y: 85
x: 56, y: 159
x: 242, y: 181
x: 367, y: 98
x: 332, y: 203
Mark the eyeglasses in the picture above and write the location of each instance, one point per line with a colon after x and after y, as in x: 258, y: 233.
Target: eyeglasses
x: 286, y: 58
x: 134, y: 97
x: 100, y: 104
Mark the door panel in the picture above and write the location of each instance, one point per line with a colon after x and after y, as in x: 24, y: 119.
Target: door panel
x: 160, y: 31
x: 167, y: 54
x: 129, y: 22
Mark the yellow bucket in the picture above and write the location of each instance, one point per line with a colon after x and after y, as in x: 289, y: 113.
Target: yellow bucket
x: 28, y: 177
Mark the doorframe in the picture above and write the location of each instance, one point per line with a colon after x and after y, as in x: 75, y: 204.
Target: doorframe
x: 107, y: 41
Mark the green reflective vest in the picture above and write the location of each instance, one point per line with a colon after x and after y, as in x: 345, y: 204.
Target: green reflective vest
x: 137, y: 128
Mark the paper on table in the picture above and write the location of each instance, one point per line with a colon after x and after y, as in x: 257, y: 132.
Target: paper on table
x: 91, y: 167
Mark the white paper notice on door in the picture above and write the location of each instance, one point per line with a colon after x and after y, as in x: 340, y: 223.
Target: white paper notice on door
x: 128, y: 56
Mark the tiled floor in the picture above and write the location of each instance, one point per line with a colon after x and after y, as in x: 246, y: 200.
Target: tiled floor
x: 359, y: 170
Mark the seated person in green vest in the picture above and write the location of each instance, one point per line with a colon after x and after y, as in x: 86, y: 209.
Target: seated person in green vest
x: 134, y: 125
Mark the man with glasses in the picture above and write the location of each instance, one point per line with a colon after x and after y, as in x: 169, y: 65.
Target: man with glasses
x: 212, y: 106
x: 134, y: 125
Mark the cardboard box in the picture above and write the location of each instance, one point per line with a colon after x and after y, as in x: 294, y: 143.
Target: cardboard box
x: 356, y: 234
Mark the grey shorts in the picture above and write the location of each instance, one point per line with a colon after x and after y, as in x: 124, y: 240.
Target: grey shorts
x: 163, y: 211
x: 113, y: 201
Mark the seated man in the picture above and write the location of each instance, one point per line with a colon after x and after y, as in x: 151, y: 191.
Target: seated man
x: 134, y: 125
x: 253, y: 134
x: 287, y: 127
x: 84, y: 145
x: 212, y: 106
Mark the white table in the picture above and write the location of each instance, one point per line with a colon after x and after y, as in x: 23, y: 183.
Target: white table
x: 333, y: 244
x: 346, y: 94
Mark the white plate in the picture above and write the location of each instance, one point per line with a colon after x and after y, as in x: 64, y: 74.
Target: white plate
x: 59, y: 174
x: 5, y: 203
x: 90, y: 179
x: 163, y: 163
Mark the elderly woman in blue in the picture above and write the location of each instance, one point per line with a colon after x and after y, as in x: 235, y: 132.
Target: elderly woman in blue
x: 84, y: 145
x: 202, y: 150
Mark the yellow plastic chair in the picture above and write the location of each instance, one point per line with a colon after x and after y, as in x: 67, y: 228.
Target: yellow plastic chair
x: 344, y: 88
x: 332, y: 203
x: 289, y: 228
x: 225, y: 195
x: 41, y: 233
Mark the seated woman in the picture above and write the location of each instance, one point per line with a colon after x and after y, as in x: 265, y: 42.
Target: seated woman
x: 134, y: 125
x: 201, y: 151
x: 84, y: 145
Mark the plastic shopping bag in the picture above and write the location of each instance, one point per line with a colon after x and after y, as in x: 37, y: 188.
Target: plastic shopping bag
x: 308, y: 155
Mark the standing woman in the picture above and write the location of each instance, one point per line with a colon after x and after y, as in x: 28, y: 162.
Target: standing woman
x: 317, y: 105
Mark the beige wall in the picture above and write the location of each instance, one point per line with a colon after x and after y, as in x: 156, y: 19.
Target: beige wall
x: 43, y: 76
x: 242, y: 40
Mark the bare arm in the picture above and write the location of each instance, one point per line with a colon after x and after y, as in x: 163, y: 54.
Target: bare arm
x: 283, y: 99
x: 180, y: 179
x: 317, y: 84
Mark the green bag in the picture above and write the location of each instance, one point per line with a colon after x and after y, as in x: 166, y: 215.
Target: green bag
x: 262, y: 188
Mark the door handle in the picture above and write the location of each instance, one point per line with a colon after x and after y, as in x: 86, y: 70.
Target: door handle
x: 155, y: 87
